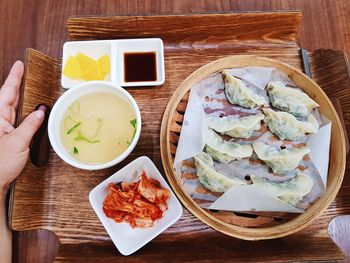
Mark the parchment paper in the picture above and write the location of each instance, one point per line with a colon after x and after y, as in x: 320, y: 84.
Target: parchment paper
x: 207, y: 98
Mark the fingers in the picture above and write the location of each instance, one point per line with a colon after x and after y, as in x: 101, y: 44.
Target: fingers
x: 5, y: 127
x: 8, y: 113
x: 9, y: 92
x: 29, y: 126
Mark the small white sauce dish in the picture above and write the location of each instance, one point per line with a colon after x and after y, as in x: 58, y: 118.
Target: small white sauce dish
x: 94, y: 49
x: 125, y: 46
x: 66, y: 100
x: 116, y: 49
x: 126, y: 239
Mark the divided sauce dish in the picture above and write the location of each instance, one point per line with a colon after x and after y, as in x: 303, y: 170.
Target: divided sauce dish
x: 116, y: 51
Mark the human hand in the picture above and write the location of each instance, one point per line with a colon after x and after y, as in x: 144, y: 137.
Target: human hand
x: 14, y: 143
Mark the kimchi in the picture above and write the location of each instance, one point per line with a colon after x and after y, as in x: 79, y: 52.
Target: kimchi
x: 138, y: 203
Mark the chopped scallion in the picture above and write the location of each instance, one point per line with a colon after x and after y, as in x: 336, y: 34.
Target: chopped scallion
x: 99, y: 125
x: 75, y: 150
x: 133, y: 123
x: 75, y: 107
x: 71, y: 130
x: 69, y: 122
x: 82, y: 137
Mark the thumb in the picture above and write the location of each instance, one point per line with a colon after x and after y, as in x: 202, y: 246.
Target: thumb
x: 26, y: 130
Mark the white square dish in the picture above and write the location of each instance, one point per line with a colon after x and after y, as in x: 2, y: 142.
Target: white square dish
x: 134, y: 46
x: 126, y: 239
x: 94, y: 49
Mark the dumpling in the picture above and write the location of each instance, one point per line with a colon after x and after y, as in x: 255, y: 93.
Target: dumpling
x: 211, y: 179
x: 225, y: 151
x: 290, y: 100
x: 236, y: 127
x: 280, y: 161
x: 286, y: 126
x: 238, y: 93
x: 291, y: 191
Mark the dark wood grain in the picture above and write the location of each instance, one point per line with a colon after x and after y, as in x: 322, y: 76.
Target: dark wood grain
x: 41, y: 24
x: 337, y: 106
x: 187, y: 31
x: 42, y: 246
x: 330, y: 69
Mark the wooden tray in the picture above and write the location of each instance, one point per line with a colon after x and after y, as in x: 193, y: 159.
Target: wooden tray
x: 55, y: 198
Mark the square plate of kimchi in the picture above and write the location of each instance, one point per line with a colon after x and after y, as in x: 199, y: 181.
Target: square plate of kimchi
x: 135, y: 205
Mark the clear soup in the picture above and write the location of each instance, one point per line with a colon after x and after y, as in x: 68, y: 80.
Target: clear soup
x: 98, y: 127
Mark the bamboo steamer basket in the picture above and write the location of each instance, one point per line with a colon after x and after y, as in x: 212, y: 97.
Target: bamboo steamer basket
x: 171, y: 128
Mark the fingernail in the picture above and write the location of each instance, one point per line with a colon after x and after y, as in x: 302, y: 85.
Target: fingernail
x: 42, y: 107
x: 40, y: 114
x: 18, y: 62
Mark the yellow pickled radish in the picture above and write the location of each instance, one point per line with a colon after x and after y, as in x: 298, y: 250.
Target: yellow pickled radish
x: 86, y: 68
x: 94, y: 73
x: 104, y: 64
x: 72, y: 68
x: 86, y: 62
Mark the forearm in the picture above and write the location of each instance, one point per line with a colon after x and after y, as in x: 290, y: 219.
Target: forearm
x: 5, y: 232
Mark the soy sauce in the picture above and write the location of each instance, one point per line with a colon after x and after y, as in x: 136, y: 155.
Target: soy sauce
x: 140, y: 66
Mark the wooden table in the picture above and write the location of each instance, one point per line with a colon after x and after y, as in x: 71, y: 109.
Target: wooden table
x: 41, y: 25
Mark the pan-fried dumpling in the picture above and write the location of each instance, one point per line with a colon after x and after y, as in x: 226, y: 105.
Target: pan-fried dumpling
x: 291, y: 191
x: 225, y: 151
x: 211, y: 179
x: 286, y: 126
x: 238, y: 93
x: 290, y: 100
x: 280, y: 161
x: 236, y: 127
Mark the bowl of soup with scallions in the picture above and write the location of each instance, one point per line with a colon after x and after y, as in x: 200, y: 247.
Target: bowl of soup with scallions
x: 94, y: 125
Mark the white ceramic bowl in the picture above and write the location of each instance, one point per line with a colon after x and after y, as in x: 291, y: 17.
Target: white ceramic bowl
x: 67, y: 99
x: 125, y: 238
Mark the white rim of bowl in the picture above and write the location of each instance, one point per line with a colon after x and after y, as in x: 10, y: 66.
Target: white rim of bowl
x: 76, y: 163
